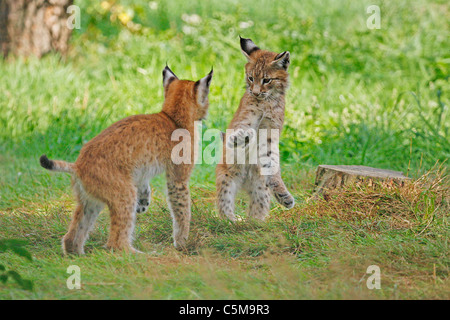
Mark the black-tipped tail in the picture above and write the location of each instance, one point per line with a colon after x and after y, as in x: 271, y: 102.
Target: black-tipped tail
x: 56, y: 165
x: 46, y: 162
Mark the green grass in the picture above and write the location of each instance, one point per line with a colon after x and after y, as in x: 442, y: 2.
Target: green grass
x: 294, y: 255
x: 357, y: 96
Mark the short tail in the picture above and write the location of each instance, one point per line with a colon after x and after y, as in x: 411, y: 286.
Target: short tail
x: 56, y: 165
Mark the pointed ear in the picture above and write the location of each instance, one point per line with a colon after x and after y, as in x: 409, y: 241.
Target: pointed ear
x: 248, y: 47
x: 168, y: 76
x: 282, y: 60
x: 202, y: 88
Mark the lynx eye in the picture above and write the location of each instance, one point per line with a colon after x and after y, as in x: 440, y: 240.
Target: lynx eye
x: 250, y: 79
x: 267, y: 80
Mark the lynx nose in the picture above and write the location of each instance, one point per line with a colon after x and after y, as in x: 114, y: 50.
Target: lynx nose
x: 256, y: 92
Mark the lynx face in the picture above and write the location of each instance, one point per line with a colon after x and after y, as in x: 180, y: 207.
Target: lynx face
x: 266, y: 72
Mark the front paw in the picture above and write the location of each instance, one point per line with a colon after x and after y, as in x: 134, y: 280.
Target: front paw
x: 240, y: 138
x: 229, y: 215
x: 285, y: 199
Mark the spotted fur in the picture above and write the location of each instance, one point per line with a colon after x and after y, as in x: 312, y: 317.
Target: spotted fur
x: 115, y: 167
x: 261, y: 107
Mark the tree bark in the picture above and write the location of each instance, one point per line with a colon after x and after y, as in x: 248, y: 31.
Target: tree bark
x: 333, y: 177
x: 34, y: 27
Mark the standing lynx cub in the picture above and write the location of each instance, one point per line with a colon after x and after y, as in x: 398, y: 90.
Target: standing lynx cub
x: 115, y: 167
x: 261, y: 107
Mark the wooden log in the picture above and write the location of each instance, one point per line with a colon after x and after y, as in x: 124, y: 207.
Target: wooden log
x: 330, y: 177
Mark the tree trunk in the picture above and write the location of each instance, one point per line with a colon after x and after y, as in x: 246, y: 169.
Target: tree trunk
x: 333, y: 177
x: 34, y: 27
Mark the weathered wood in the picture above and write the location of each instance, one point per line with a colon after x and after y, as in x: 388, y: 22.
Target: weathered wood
x: 34, y: 27
x: 329, y: 177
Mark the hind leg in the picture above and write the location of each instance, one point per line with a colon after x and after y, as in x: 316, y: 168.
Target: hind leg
x: 83, y: 220
x: 122, y: 209
x: 269, y: 160
x: 227, y: 187
x: 259, y: 195
x: 280, y: 191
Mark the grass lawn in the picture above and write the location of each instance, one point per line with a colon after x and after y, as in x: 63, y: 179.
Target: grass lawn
x: 358, y: 96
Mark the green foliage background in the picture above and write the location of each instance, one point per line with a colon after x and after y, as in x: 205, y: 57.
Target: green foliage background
x: 358, y: 96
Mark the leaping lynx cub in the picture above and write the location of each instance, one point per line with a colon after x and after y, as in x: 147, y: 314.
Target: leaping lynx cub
x: 261, y: 107
x: 115, y: 167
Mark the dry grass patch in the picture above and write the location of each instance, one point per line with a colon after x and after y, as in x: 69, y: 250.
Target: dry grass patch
x: 415, y: 205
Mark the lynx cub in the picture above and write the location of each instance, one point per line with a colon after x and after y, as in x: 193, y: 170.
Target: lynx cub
x: 115, y: 167
x: 261, y: 107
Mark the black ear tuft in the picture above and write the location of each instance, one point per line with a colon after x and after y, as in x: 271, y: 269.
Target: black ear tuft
x: 168, y: 76
x: 208, y: 78
x: 282, y: 60
x: 248, y: 47
x: 280, y: 55
x: 202, y: 87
